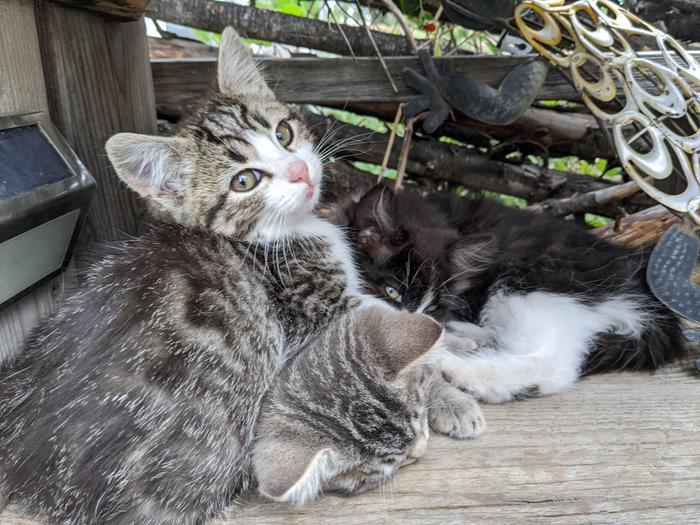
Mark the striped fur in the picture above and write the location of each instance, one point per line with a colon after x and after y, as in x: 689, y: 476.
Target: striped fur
x: 350, y: 409
x: 135, y: 403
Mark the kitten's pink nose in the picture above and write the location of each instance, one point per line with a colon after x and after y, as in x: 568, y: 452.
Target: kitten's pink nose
x: 298, y: 171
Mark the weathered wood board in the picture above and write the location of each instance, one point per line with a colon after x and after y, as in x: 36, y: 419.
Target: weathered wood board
x: 338, y: 81
x: 98, y: 84
x: 123, y: 9
x: 616, y: 449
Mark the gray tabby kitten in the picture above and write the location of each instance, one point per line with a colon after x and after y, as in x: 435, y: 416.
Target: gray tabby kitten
x: 136, y: 401
x: 350, y: 409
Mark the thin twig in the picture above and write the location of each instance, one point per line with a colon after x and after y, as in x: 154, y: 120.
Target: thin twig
x: 391, y: 7
x: 376, y: 49
x: 390, y: 144
x: 403, y: 156
x: 340, y: 27
x: 582, y: 202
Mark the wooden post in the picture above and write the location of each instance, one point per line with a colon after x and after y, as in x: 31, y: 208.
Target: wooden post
x: 92, y: 75
x: 98, y: 83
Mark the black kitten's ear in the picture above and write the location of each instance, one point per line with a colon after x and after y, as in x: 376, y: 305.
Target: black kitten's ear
x: 237, y: 73
x: 292, y: 470
x: 375, y: 220
x: 377, y: 209
x: 397, y: 338
x: 468, y: 257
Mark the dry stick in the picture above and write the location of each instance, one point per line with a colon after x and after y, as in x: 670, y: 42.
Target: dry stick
x: 403, y: 156
x: 376, y: 49
x: 340, y: 27
x: 640, y: 229
x: 584, y: 201
x: 391, y: 6
x: 390, y: 144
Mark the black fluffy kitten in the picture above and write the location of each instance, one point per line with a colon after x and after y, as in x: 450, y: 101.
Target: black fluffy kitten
x: 546, y: 300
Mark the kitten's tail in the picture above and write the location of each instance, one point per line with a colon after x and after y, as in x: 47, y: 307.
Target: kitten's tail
x: 661, y: 342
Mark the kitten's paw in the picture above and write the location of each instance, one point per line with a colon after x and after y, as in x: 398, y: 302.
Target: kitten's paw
x: 455, y: 413
x: 478, y: 336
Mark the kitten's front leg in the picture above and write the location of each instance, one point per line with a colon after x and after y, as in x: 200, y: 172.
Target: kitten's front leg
x: 463, y: 336
x: 453, y: 412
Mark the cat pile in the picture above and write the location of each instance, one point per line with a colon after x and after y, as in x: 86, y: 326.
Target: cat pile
x: 242, y: 344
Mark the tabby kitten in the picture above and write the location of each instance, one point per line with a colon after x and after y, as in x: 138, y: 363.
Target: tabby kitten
x: 350, y: 409
x: 135, y: 403
x: 550, y: 300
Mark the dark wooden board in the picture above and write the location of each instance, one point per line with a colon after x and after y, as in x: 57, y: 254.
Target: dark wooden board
x: 337, y: 81
x: 124, y: 9
x: 334, y: 81
x: 98, y: 83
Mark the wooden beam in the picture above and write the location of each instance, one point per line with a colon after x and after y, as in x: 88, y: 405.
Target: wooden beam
x: 99, y: 83
x: 264, y: 24
x: 333, y: 81
x: 121, y: 9
x: 339, y: 81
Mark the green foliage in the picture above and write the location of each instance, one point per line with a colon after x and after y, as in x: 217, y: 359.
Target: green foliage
x: 596, y: 221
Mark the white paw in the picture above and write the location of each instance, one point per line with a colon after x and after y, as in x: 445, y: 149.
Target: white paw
x: 478, y: 335
x: 455, y: 413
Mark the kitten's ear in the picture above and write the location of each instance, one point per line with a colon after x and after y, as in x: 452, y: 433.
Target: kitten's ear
x: 151, y: 166
x: 377, y: 208
x: 398, y: 339
x: 292, y: 471
x: 237, y: 73
x: 375, y: 218
x: 468, y: 257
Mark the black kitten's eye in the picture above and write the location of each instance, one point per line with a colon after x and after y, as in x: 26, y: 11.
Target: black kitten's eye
x: 431, y: 308
x: 246, y: 180
x: 393, y: 293
x: 284, y: 134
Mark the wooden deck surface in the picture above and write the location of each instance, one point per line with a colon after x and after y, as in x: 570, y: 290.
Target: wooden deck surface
x: 617, y: 449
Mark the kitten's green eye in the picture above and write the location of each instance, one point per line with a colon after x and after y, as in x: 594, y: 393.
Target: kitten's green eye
x: 431, y: 308
x: 284, y: 134
x: 246, y: 180
x: 393, y: 293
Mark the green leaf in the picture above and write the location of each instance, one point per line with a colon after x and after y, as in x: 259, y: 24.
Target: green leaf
x: 410, y: 6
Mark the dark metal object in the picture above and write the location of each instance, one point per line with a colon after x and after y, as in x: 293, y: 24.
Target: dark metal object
x: 499, y: 107
x: 670, y: 267
x: 41, y: 182
x: 479, y: 14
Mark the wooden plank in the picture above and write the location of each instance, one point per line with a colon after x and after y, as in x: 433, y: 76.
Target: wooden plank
x: 339, y: 81
x: 331, y: 81
x: 22, y: 90
x: 121, y: 9
x: 99, y: 83
x: 615, y: 449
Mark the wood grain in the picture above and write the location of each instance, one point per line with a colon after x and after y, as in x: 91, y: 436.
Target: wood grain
x: 616, y: 449
x: 22, y: 90
x: 122, y: 9
x: 99, y: 83
x: 640, y: 229
x: 339, y: 81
